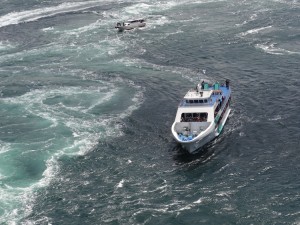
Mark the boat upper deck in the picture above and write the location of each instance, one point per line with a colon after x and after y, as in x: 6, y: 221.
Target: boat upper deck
x: 204, y: 95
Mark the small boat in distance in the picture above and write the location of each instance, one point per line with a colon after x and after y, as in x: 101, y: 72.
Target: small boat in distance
x: 130, y: 24
x: 201, y: 115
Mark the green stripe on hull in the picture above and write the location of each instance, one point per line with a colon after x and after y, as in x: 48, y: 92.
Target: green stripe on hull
x: 217, y: 118
x: 220, y: 128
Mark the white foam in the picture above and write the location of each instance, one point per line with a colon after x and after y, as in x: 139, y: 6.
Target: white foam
x: 252, y: 18
x: 4, y: 147
x: 48, y: 29
x: 149, y: 11
x: 138, y: 99
x: 20, y: 55
x: 254, y: 31
x: 141, y: 9
x: 87, y: 28
x: 86, y: 131
x: 12, y: 199
x: 271, y: 48
x: 159, y: 20
x: 138, y: 8
x: 121, y: 184
x: 187, y: 207
x: 289, y: 2
x: 5, y: 45
x: 36, y: 14
x: 274, y: 118
x: 186, y: 73
x: 200, y: 200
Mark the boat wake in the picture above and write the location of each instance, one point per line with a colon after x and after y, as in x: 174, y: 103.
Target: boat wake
x: 36, y: 14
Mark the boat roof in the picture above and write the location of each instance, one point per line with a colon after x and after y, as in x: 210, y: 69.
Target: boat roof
x: 136, y: 20
x: 194, y: 94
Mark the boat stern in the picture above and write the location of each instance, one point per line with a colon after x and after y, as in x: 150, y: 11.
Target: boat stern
x: 192, y: 135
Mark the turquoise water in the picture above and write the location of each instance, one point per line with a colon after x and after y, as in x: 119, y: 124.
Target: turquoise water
x: 86, y: 112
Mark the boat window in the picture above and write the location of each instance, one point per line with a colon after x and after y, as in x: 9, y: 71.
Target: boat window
x: 203, y: 117
x: 194, y: 117
x: 195, y: 101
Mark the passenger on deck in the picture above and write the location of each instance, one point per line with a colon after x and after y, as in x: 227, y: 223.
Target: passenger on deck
x: 202, y: 84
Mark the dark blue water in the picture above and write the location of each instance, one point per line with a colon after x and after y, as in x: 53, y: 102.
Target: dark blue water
x: 86, y: 112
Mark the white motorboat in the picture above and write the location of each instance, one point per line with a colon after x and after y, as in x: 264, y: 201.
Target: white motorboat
x: 201, y: 115
x: 130, y: 24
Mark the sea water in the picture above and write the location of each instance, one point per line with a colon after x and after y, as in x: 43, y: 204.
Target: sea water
x: 86, y: 112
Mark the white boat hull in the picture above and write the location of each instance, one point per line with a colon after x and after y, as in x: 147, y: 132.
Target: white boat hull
x: 193, y: 146
x: 130, y: 26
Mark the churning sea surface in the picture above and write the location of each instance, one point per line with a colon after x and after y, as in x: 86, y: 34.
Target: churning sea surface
x: 86, y: 112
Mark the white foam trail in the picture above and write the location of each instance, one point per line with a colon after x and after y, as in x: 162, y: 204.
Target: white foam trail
x: 200, y: 200
x: 271, y: 49
x: 48, y: 29
x: 254, y: 31
x: 25, y: 53
x: 5, y: 45
x: 277, y: 117
x: 10, y: 198
x: 36, y: 14
x: 184, y: 72
x: 159, y: 20
x: 289, y: 2
x: 4, y: 147
x: 141, y: 9
x: 121, y: 184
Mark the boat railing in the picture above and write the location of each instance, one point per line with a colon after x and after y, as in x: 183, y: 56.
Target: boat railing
x: 221, y: 111
x: 183, y: 103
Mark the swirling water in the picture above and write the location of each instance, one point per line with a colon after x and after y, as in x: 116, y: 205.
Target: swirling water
x: 86, y: 112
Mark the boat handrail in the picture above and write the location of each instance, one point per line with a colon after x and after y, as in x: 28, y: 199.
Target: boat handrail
x: 224, y: 105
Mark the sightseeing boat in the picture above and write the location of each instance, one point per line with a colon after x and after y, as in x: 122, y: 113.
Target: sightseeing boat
x: 130, y: 24
x: 201, y: 115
